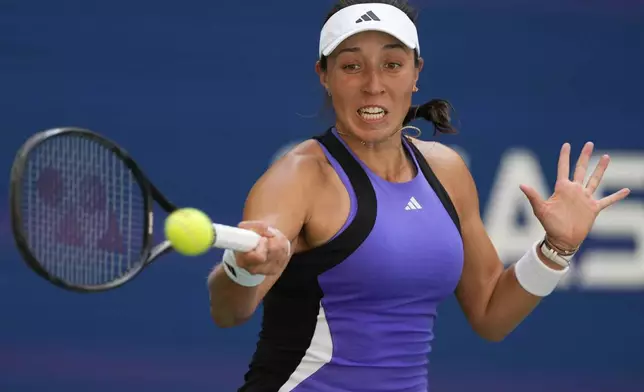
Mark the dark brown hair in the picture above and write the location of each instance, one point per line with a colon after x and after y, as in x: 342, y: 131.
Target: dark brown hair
x: 436, y: 111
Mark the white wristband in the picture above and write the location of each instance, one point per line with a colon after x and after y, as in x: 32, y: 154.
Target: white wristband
x: 534, y: 276
x: 238, y: 274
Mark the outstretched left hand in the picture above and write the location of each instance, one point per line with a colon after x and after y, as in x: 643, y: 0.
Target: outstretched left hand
x: 569, y: 214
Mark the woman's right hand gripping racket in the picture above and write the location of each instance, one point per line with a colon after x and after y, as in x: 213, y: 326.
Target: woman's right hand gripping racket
x: 81, y: 212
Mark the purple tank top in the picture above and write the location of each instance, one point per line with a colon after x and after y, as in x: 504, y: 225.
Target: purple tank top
x: 357, y: 314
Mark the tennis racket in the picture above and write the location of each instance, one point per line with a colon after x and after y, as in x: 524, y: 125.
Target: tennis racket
x: 82, y: 212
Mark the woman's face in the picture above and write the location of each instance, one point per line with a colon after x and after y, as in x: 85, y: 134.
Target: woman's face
x: 371, y: 77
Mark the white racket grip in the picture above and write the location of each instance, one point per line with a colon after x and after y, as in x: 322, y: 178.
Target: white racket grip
x: 234, y: 238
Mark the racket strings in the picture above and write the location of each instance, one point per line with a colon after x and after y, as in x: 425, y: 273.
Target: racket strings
x: 83, y: 211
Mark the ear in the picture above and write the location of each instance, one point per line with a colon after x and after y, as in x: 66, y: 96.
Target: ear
x: 421, y: 62
x: 322, y: 74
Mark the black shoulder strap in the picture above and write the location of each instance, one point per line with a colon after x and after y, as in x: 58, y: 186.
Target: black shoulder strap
x: 315, y: 261
x: 440, y: 191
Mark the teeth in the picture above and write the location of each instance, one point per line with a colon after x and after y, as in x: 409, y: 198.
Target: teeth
x: 371, y: 113
x: 372, y: 110
x: 371, y: 117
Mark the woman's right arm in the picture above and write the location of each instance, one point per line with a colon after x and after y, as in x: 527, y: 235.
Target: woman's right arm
x: 280, y: 199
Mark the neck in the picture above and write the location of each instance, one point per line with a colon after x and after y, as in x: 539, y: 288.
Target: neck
x: 386, y: 158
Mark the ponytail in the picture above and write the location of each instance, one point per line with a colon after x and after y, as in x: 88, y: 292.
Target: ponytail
x: 436, y: 111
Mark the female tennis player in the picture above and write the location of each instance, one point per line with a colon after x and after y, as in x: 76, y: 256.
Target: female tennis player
x: 365, y: 231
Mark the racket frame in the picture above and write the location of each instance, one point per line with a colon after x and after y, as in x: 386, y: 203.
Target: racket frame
x: 149, y: 194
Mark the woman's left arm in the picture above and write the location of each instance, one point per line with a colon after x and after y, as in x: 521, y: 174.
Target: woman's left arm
x: 493, y: 299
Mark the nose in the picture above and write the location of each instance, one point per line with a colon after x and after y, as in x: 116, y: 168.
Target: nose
x: 372, y: 83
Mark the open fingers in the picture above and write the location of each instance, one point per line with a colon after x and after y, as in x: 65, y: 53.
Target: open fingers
x: 563, y: 168
x: 614, y: 198
x: 582, y: 163
x: 596, y: 178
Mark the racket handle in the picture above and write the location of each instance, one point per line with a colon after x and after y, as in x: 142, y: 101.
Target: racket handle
x: 234, y: 238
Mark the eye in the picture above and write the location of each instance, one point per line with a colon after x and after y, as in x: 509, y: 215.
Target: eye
x: 393, y: 65
x: 351, y: 67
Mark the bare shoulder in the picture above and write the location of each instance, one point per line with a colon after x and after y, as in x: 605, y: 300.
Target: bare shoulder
x: 293, y: 176
x: 304, y: 162
x: 441, y: 157
x: 453, y: 173
x: 284, y: 194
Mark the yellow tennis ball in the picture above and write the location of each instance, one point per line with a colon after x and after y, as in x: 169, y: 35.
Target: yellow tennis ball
x: 190, y: 231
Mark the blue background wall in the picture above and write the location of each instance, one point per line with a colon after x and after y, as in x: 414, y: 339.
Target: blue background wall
x: 172, y: 80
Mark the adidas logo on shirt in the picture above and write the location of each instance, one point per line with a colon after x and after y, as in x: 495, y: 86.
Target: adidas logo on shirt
x: 413, y: 204
x: 369, y: 16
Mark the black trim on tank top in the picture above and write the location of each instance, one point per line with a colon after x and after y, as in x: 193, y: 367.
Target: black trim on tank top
x: 315, y: 261
x: 292, y: 305
x: 435, y: 183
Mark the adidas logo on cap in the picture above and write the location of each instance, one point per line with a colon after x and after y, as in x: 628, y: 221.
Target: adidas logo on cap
x: 369, y: 16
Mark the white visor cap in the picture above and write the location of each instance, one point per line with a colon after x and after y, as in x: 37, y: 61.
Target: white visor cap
x: 367, y: 17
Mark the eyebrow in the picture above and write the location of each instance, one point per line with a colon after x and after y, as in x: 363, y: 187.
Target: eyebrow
x: 396, y: 46
x: 388, y: 46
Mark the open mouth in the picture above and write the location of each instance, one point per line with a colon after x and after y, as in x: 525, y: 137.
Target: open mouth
x: 372, y: 113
